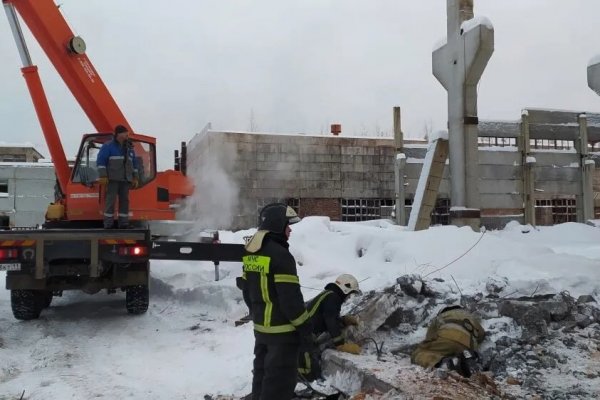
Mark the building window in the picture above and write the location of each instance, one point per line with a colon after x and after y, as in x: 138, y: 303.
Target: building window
x: 13, y: 158
x: 365, y: 209
x: 3, y: 188
x: 440, y: 215
x: 555, y: 211
x: 551, y: 144
x: 294, y: 203
x: 493, y: 141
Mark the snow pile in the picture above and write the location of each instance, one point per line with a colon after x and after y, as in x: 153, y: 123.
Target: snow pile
x: 186, y: 345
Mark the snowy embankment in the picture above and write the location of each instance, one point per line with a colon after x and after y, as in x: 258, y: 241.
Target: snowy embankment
x: 186, y: 345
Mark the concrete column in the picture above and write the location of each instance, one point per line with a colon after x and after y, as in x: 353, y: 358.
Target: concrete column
x: 593, y: 76
x: 432, y: 174
x: 458, y: 66
x: 528, y: 163
x: 585, y: 198
x: 399, y: 165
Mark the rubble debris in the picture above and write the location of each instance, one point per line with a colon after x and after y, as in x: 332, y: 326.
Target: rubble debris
x: 530, y: 342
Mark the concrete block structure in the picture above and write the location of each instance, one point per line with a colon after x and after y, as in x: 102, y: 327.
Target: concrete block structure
x: 536, y: 163
x: 26, y: 185
x: 26, y: 189
x: 344, y: 178
x: 15, y: 152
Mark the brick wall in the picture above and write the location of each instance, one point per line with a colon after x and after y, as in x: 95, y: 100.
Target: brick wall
x: 325, y: 207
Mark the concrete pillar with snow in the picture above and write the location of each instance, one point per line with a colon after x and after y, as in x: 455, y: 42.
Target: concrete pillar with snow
x: 430, y: 179
x: 585, y: 197
x: 399, y: 166
x: 528, y: 162
x: 593, y: 77
x: 458, y: 66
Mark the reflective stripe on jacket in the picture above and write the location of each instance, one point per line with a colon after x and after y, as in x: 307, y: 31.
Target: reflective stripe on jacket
x: 273, y: 291
x: 324, y: 313
x: 117, y: 162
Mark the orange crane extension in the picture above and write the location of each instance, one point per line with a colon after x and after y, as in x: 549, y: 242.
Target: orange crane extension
x: 80, y: 195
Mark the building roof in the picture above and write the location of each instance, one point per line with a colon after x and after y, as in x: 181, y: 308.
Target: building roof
x: 24, y: 145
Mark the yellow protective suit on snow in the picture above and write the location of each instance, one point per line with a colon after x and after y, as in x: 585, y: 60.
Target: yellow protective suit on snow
x: 449, y: 334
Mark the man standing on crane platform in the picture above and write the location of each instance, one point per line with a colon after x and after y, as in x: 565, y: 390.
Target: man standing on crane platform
x: 118, y: 171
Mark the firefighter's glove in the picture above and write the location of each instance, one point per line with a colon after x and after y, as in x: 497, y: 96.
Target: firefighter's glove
x: 350, y: 320
x: 103, y: 181
x: 135, y: 183
x: 349, y: 347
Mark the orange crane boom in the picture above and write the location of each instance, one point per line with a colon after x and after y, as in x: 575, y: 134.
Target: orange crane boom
x: 81, y: 197
x: 46, y: 23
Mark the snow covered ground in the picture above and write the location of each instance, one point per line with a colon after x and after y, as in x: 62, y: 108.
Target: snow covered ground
x: 186, y: 346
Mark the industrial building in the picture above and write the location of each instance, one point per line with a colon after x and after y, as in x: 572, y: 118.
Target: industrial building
x: 352, y: 178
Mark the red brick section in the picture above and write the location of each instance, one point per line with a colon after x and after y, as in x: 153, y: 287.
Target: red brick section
x: 323, y: 207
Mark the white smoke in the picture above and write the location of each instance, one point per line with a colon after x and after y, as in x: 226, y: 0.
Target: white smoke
x: 215, y: 199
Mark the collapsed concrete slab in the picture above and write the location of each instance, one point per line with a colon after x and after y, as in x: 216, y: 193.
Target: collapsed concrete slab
x: 395, y: 378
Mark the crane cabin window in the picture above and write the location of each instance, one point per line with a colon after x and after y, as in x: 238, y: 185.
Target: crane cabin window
x: 86, y: 170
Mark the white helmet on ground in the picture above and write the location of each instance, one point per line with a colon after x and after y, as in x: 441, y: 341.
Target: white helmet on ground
x: 347, y: 283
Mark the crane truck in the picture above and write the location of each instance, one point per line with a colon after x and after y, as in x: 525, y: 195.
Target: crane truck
x: 71, y: 251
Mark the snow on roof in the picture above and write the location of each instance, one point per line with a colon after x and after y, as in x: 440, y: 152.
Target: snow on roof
x: 439, y: 44
x: 22, y: 145
x: 27, y: 164
x: 594, y: 60
x: 14, y: 144
x: 302, y: 134
x: 476, y: 21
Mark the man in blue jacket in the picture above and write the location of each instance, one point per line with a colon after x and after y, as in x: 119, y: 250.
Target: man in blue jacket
x: 118, y: 171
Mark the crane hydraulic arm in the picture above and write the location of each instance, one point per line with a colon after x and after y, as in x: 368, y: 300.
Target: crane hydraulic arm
x: 67, y: 52
x: 46, y: 23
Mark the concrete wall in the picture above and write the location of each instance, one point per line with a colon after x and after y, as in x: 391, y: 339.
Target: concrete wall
x: 30, y: 190
x: 267, y: 168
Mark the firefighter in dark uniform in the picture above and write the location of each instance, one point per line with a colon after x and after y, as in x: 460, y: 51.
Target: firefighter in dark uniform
x: 324, y: 311
x: 272, y: 290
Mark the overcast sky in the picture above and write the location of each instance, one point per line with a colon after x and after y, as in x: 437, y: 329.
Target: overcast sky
x: 299, y: 65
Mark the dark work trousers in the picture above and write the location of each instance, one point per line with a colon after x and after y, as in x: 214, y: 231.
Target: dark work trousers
x: 116, y: 189
x: 275, y: 371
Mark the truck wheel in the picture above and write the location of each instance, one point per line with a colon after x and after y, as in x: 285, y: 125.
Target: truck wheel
x: 46, y: 298
x: 26, y: 304
x: 137, y: 298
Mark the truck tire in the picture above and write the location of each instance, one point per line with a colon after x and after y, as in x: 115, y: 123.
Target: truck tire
x: 47, y: 298
x: 26, y: 304
x: 137, y: 299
